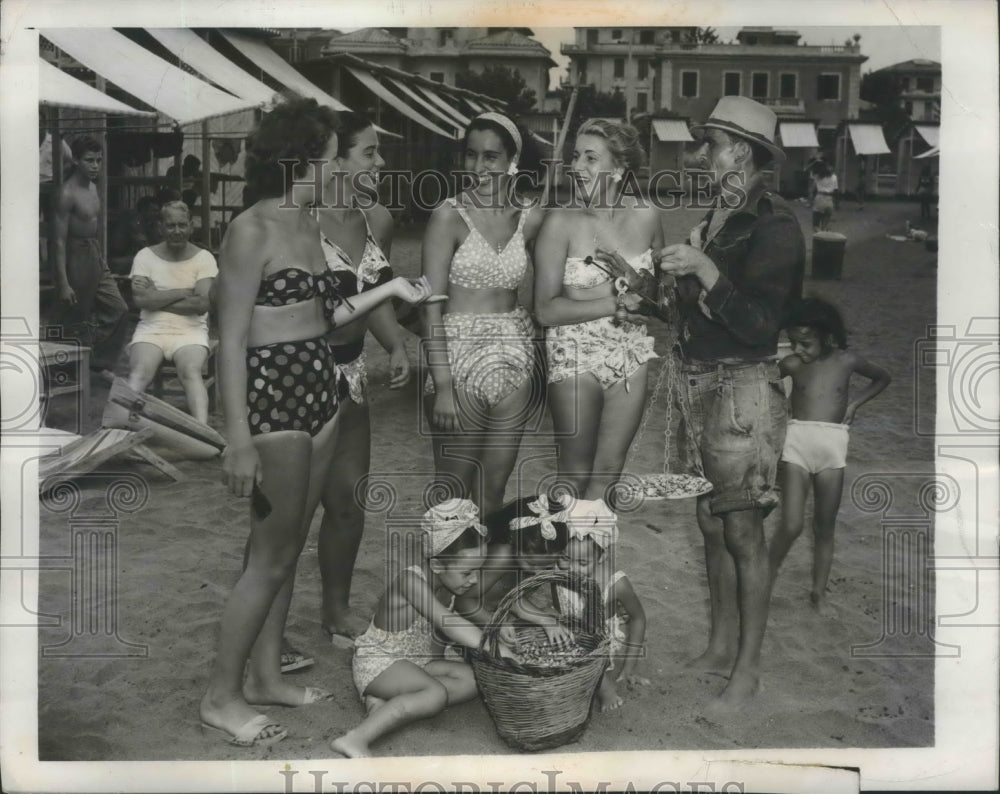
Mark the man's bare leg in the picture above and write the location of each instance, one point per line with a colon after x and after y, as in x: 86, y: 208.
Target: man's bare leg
x: 724, y: 632
x: 744, y: 537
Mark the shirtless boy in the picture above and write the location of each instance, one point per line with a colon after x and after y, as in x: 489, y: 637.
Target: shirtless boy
x: 815, y: 451
x: 92, y: 309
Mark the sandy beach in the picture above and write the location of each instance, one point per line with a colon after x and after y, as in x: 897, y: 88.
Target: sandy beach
x: 134, y: 695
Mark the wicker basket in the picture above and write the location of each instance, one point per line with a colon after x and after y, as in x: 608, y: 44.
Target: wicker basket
x: 540, y: 707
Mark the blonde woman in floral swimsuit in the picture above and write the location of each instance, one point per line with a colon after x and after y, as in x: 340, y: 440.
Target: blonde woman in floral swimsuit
x: 596, y: 362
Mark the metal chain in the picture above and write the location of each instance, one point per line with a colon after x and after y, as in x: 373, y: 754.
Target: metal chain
x: 671, y: 396
x: 668, y: 372
x: 647, y: 413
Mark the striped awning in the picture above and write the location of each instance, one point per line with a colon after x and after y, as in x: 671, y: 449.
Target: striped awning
x: 868, y: 139
x: 280, y: 69
x: 55, y: 87
x: 212, y: 64
x: 434, y: 97
x: 370, y: 82
x: 798, y: 135
x: 668, y: 130
x: 433, y: 110
x: 930, y: 134
x: 176, y: 94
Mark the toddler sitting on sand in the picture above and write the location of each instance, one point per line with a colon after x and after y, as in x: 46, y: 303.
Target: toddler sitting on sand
x: 520, y: 544
x: 816, y: 442
x: 398, y: 664
x: 585, y: 531
x: 593, y: 530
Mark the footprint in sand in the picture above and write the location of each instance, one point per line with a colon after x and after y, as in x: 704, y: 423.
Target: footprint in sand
x: 880, y: 714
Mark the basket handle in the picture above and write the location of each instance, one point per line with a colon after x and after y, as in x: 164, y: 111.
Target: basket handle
x: 586, y: 586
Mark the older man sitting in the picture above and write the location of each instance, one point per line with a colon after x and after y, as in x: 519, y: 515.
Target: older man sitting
x: 171, y: 282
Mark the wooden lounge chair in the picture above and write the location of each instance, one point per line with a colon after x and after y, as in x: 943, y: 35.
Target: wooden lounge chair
x: 83, y: 454
x: 181, y: 433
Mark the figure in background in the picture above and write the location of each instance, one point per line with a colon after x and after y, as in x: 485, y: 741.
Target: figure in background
x: 171, y: 282
x: 825, y: 189
x: 862, y: 190
x: 132, y: 231
x: 92, y: 310
x: 815, y: 452
x: 925, y: 192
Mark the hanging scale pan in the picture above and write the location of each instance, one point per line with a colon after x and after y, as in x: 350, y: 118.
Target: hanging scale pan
x: 667, y: 486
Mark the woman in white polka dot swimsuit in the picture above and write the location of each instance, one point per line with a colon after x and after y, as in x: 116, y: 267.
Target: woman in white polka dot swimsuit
x: 597, y: 361
x: 480, y: 347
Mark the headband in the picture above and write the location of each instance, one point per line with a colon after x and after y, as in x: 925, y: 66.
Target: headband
x: 443, y: 524
x: 593, y: 519
x: 542, y: 517
x: 507, y: 124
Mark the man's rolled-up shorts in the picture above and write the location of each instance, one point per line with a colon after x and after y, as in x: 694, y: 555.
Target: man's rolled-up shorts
x: 733, y: 429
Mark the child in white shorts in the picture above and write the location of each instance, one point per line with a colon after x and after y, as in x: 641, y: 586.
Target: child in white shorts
x: 815, y: 451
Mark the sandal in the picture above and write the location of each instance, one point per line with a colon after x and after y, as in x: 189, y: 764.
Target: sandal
x: 292, y: 660
x: 249, y: 734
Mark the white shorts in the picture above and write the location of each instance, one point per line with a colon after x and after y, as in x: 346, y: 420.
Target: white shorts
x: 816, y: 446
x: 170, y: 343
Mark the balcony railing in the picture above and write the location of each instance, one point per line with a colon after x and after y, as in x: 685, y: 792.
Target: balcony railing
x: 718, y: 48
x: 783, y: 105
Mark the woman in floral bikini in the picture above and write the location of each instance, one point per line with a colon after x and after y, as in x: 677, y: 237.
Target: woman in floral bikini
x: 597, y: 358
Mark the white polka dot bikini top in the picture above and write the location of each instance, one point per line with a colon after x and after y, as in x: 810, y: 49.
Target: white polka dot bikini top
x: 478, y: 265
x: 582, y: 274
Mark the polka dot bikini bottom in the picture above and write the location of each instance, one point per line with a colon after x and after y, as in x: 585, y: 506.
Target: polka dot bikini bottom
x: 291, y: 386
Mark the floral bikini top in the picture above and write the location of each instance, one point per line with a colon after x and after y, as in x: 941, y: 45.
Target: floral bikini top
x: 477, y: 265
x: 372, y: 271
x: 582, y: 274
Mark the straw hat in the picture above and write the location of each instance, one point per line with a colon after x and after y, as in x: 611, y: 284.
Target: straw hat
x: 747, y: 119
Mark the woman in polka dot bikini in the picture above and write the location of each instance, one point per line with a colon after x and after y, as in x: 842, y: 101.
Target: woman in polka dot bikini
x: 279, y: 384
x: 480, y: 348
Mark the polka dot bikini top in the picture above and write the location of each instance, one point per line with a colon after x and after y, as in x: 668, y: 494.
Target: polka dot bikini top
x: 295, y: 285
x: 581, y: 274
x: 372, y: 271
x: 478, y: 265
x: 291, y: 285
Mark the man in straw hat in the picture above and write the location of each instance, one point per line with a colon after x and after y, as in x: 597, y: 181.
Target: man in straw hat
x: 735, y: 280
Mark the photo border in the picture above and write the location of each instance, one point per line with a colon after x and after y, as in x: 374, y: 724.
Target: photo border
x: 966, y: 693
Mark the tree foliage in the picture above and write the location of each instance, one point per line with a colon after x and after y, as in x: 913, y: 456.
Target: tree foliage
x: 701, y: 36
x: 500, y: 83
x: 884, y: 90
x: 591, y: 102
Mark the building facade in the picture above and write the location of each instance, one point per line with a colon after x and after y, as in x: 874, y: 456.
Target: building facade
x: 663, y: 69
x: 667, y: 71
x: 920, y: 87
x: 439, y: 54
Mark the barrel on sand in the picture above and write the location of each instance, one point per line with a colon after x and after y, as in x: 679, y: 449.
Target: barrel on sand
x: 828, y: 255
